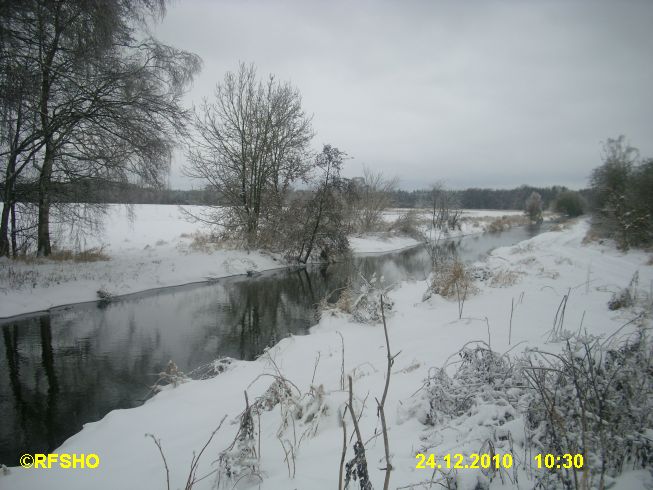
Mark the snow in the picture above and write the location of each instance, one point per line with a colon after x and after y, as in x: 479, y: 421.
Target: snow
x: 490, y: 213
x: 380, y: 243
x: 536, y: 274
x: 393, y: 213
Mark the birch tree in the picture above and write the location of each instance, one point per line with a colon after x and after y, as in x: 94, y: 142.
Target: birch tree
x: 108, y: 96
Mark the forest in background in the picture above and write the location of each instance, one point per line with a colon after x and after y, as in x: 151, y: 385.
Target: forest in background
x: 125, y: 193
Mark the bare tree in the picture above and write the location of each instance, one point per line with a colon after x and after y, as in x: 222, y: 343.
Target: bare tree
x: 19, y: 135
x: 445, y: 209
x: 250, y: 144
x: 445, y: 215
x: 317, y: 223
x: 374, y: 196
x: 533, y: 207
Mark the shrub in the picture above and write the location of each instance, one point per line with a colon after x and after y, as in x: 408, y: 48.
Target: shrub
x: 504, y: 278
x: 505, y: 223
x: 591, y: 399
x: 240, y: 460
x: 450, y: 279
x: 363, y: 302
x: 478, y: 407
x: 569, y: 203
x: 533, y: 207
x: 595, y: 401
x: 95, y: 254
x: 407, y: 224
x: 498, y: 225
x: 623, y: 203
x: 170, y: 376
x: 626, y: 297
x: 307, y: 231
x: 480, y: 367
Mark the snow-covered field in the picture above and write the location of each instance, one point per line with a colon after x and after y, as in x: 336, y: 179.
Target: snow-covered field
x: 393, y: 213
x: 533, y: 275
x: 380, y: 243
x: 156, y: 248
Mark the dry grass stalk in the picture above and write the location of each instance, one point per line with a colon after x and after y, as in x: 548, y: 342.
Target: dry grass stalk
x: 95, y: 254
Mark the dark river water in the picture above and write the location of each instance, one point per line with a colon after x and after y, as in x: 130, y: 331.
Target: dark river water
x: 75, y: 364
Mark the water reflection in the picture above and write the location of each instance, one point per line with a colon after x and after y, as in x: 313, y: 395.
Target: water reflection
x: 75, y: 364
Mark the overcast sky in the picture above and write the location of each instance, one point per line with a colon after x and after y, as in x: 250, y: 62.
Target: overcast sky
x: 475, y: 93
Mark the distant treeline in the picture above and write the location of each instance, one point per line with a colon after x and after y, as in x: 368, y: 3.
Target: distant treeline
x: 104, y: 192
x: 477, y: 198
x: 93, y: 191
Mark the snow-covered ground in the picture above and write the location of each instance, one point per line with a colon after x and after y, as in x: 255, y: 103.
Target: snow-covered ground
x: 533, y: 275
x: 393, y: 213
x: 153, y: 246
x: 380, y: 243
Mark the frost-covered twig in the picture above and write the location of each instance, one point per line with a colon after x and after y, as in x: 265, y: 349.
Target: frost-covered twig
x: 381, y: 405
x: 192, y: 478
x: 357, y: 467
x: 163, y: 457
x: 344, y: 449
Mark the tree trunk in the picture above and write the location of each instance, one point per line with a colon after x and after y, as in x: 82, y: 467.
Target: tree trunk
x: 4, y: 229
x: 14, y: 248
x: 7, y: 199
x: 311, y: 240
x: 322, y: 197
x: 45, y: 176
x: 43, y: 231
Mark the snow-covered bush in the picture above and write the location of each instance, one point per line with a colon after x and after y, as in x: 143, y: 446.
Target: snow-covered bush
x: 482, y: 376
x: 473, y: 410
x: 408, y: 224
x: 504, y: 278
x: 595, y: 401
x: 363, y: 303
x: 170, y: 376
x: 626, y: 297
x: 240, y: 460
x: 313, y: 407
x: 104, y: 296
x: 300, y: 413
x: 592, y: 399
x: 212, y: 369
x: 498, y: 225
x: 305, y: 409
x: 451, y: 279
x: 622, y: 299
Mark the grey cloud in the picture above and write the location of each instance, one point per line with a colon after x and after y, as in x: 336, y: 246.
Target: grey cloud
x: 492, y: 93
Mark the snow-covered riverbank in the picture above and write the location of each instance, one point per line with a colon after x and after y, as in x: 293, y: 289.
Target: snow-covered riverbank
x: 157, y: 248
x: 153, y: 248
x: 523, y: 289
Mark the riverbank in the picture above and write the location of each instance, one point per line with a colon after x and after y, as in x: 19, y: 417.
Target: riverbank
x: 519, y: 298
x: 155, y: 247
